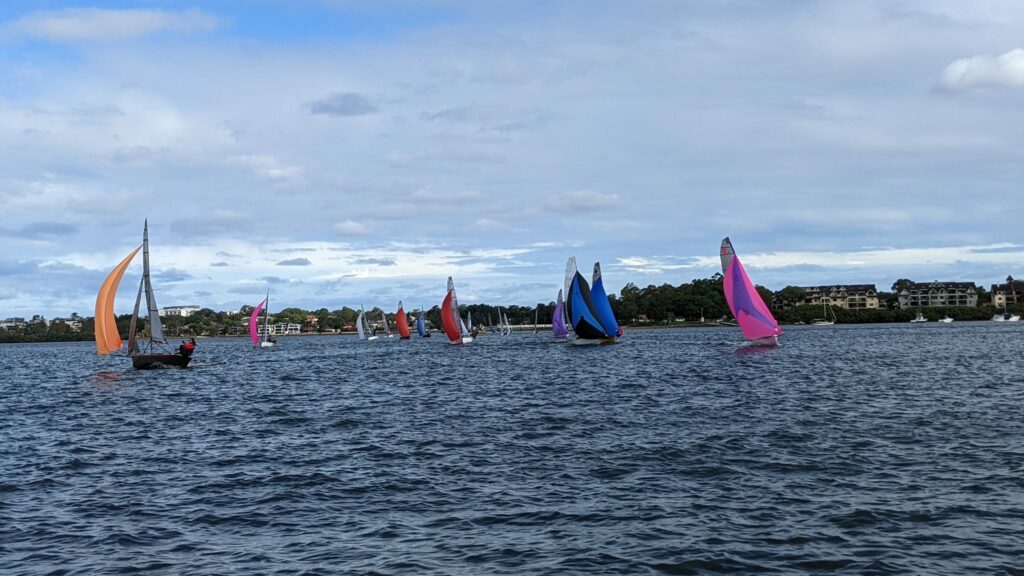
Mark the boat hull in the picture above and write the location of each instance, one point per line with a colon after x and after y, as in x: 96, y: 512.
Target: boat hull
x: 268, y: 344
x: 154, y: 361
x: 767, y: 341
x: 592, y: 341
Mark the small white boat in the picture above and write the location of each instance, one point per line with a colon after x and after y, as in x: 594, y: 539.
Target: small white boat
x: 945, y: 320
x: 919, y: 318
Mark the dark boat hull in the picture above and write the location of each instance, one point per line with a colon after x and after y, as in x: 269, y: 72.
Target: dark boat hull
x: 151, y: 361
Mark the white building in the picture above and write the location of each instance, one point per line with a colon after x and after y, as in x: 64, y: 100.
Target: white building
x: 183, y: 311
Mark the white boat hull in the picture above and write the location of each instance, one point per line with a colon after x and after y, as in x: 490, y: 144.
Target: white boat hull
x: 766, y: 341
x: 822, y: 323
x: 268, y: 344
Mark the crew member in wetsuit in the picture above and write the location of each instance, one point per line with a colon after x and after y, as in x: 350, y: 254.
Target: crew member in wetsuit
x: 187, y: 348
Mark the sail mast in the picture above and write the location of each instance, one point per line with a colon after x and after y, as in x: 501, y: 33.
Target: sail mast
x: 156, y: 330
x: 266, y: 318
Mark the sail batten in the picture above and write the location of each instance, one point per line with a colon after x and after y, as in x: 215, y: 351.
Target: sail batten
x: 748, y: 308
x: 108, y: 338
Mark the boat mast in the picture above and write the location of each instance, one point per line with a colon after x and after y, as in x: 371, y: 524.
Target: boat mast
x: 266, y: 318
x: 132, y: 344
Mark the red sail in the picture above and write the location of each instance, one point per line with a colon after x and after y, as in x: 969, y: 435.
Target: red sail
x: 448, y: 321
x: 400, y: 320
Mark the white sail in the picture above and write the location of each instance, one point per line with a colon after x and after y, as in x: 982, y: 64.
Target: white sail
x: 359, y: 324
x: 156, y: 329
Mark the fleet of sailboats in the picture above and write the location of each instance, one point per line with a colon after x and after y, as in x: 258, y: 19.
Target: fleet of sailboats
x: 581, y: 308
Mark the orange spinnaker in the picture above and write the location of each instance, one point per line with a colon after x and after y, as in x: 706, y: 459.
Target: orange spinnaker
x: 108, y: 339
x: 402, y: 323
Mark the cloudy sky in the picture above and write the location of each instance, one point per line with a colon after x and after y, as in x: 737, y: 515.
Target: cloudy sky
x: 355, y: 152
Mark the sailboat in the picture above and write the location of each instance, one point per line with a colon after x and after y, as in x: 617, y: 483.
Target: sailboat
x: 919, y: 318
x: 156, y: 353
x: 401, y: 323
x: 264, y: 340
x: 829, y: 317
x: 451, y: 321
x: 558, y: 328
x: 583, y: 316
x: 365, y: 332
x: 387, y: 329
x: 747, y: 306
x: 421, y: 328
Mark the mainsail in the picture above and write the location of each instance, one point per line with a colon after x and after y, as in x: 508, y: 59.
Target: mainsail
x: 602, y: 307
x: 360, y: 321
x: 401, y: 322
x: 156, y: 329
x: 108, y: 339
x: 254, y: 320
x: 420, y: 328
x: 746, y: 304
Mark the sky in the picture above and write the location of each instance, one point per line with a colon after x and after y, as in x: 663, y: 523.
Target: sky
x: 348, y: 152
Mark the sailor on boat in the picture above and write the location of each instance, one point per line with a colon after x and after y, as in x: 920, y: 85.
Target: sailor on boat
x: 187, y: 348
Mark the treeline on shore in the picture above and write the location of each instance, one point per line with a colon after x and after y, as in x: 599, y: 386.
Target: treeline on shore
x: 659, y: 305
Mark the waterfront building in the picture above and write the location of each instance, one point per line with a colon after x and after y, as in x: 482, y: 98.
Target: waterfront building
x: 936, y: 294
x: 1006, y: 294
x: 846, y: 296
x: 183, y: 311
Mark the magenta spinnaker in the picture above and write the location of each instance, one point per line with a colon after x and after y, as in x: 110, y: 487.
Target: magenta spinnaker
x: 254, y: 319
x: 751, y: 313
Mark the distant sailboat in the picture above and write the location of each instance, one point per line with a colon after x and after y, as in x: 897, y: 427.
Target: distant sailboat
x: 365, y: 332
x: 749, y: 310
x: 108, y: 338
x: 421, y: 328
x: 919, y: 318
x: 583, y: 316
x: 264, y: 340
x: 402, y: 323
x: 558, y: 328
x: 387, y: 329
x: 829, y: 315
x: 454, y: 328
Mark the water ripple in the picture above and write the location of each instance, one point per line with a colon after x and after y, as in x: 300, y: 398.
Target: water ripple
x: 851, y: 449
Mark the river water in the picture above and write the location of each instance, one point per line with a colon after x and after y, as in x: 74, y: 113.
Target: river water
x: 850, y: 449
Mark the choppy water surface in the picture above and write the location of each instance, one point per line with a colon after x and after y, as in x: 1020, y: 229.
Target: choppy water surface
x: 851, y: 449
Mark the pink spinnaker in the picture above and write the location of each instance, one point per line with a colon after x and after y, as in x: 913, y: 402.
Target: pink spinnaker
x: 746, y: 304
x: 254, y: 320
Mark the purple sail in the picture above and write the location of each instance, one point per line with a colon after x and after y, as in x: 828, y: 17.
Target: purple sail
x: 558, y: 319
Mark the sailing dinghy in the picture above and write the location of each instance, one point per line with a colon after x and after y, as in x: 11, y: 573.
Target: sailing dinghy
x: 451, y: 321
x: 584, y: 317
x: 264, y: 340
x: 421, y: 328
x: 155, y: 353
x: 402, y: 323
x: 749, y: 310
x: 365, y: 332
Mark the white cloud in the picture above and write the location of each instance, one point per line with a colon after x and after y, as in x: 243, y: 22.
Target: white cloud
x: 583, y: 201
x: 1006, y: 69
x: 352, y: 228
x: 102, y: 25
